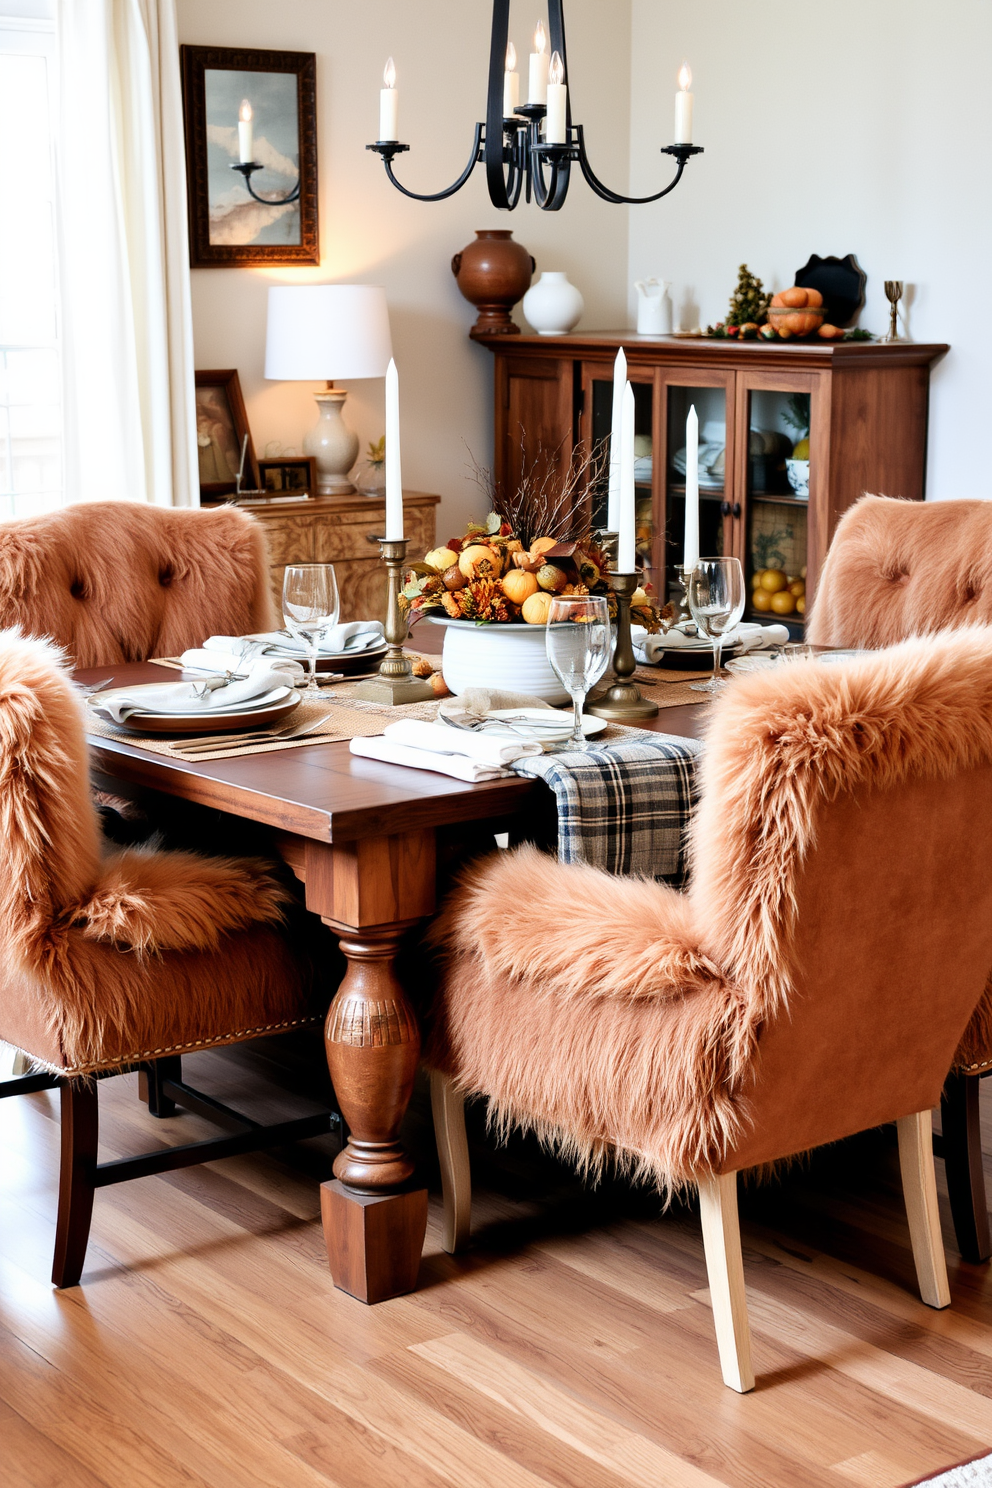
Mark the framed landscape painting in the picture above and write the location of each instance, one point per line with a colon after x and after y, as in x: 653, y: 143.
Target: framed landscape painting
x: 258, y: 109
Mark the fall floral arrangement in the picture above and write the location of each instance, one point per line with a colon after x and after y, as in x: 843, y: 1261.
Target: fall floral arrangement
x: 796, y: 312
x: 535, y: 545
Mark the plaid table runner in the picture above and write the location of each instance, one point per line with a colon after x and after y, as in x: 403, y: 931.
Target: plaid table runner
x: 624, y: 806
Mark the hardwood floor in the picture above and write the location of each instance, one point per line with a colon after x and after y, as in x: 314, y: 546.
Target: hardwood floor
x: 572, y: 1346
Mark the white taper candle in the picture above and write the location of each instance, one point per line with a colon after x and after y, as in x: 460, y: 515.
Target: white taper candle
x: 683, y: 107
x: 511, y: 83
x: 619, y: 383
x: 537, y: 75
x: 394, y: 475
x: 626, y: 549
x: 389, y: 104
x: 246, y: 141
x: 554, y: 123
x: 691, y: 554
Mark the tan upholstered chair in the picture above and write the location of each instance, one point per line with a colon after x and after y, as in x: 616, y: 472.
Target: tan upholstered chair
x: 115, y: 581
x: 117, y: 959
x: 896, y: 569
x: 813, y: 981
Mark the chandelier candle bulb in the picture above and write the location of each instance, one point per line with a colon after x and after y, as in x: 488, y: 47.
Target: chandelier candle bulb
x: 691, y: 554
x: 246, y: 141
x: 511, y: 83
x: 626, y: 557
x: 683, y: 107
x: 555, y: 130
x: 389, y: 104
x: 619, y: 383
x: 394, y: 476
x: 537, y: 89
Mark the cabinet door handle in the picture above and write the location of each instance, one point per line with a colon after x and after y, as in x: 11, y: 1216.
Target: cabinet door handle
x: 726, y: 510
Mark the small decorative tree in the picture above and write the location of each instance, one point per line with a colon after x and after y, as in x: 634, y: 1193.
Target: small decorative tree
x: 748, y: 303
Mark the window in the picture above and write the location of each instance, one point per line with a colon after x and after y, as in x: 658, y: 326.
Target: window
x: 30, y: 375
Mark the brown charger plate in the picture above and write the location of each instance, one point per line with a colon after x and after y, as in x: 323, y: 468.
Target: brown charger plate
x: 204, y: 723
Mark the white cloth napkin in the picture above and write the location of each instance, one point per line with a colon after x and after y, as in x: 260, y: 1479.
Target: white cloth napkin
x: 749, y: 635
x: 119, y: 705
x: 436, y: 746
x: 351, y: 635
x: 239, y: 654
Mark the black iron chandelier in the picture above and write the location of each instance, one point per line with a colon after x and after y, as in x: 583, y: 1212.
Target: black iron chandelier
x: 528, y: 149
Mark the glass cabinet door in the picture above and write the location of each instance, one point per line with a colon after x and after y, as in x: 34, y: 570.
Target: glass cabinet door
x: 779, y: 423
x: 716, y: 494
x: 600, y: 397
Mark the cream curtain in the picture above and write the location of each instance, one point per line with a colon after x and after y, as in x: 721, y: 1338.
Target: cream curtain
x: 130, y: 419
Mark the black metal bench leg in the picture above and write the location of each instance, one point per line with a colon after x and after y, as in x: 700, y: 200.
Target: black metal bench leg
x: 962, y: 1142
x: 151, y: 1082
x: 77, y: 1180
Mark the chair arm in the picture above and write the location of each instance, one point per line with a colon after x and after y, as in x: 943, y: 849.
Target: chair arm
x: 575, y: 930
x: 177, y: 901
x: 975, y: 1049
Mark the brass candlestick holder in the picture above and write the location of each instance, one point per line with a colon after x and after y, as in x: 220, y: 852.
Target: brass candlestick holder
x: 395, y: 683
x: 893, y: 293
x: 622, y: 703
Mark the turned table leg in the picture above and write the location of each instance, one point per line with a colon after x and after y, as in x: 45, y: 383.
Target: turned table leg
x: 371, y: 892
x: 374, y: 1227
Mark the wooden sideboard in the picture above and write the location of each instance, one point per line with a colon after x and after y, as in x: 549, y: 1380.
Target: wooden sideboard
x: 867, y: 404
x: 342, y: 530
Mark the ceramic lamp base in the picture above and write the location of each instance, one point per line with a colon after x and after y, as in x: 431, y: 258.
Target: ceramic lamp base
x: 333, y: 445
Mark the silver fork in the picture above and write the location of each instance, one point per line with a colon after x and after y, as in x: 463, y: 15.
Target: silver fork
x: 89, y: 692
x: 253, y: 736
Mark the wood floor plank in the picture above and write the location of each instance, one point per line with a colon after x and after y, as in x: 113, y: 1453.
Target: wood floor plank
x: 590, y: 1432
x: 29, y: 1459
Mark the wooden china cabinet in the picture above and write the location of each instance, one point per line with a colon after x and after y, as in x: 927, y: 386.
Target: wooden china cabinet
x: 866, y: 405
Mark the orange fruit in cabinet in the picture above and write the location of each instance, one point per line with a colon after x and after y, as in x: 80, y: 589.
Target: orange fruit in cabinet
x: 535, y: 609
x: 797, y: 589
x: 801, y: 605
x: 756, y: 577
x: 773, y: 579
x: 783, y: 603
x: 761, y: 601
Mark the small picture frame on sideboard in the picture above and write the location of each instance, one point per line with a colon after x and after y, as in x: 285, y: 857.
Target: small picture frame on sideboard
x: 290, y: 475
x: 221, y: 432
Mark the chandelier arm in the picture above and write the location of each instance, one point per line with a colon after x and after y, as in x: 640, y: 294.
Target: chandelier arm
x: 517, y: 170
x: 556, y: 26
x: 266, y: 201
x: 614, y: 197
x: 495, y: 173
x: 473, y: 160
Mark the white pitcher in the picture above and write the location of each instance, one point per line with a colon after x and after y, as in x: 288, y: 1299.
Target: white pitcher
x: 654, y: 308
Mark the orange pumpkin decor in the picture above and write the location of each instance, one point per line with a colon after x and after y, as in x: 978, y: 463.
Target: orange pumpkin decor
x: 797, y: 312
x: 519, y: 585
x: 472, y: 559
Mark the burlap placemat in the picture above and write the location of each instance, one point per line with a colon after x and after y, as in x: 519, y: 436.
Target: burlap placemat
x: 354, y: 720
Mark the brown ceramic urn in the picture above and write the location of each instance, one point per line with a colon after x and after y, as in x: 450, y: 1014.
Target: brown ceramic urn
x: 493, y: 273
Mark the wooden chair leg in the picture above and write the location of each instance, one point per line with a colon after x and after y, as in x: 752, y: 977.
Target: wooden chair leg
x: 725, y: 1273
x: 448, y: 1105
x: 80, y: 1129
x: 962, y: 1148
x: 151, y: 1078
x: 919, y: 1187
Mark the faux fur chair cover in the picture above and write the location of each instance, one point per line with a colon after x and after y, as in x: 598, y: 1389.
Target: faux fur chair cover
x: 815, y: 978
x: 121, y: 581
x: 902, y: 568
x: 108, y: 957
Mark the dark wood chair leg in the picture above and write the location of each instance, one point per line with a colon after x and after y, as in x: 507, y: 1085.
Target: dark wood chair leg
x: 962, y: 1143
x: 77, y: 1179
x: 151, y: 1078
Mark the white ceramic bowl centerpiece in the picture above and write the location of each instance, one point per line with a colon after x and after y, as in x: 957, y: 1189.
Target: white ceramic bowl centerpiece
x: 511, y: 657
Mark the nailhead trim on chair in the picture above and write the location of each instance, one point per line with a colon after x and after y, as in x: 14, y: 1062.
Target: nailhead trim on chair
x: 974, y: 1069
x: 221, y: 1038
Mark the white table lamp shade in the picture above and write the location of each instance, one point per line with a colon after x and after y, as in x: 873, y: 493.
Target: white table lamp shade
x: 332, y: 331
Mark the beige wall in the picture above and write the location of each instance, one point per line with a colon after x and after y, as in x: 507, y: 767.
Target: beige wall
x: 370, y: 234
x: 856, y: 126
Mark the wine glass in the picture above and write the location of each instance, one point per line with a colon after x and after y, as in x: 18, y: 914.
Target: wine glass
x: 310, y: 606
x: 716, y: 602
x: 578, y: 641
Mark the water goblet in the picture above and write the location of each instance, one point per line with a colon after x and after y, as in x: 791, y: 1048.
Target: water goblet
x: 310, y: 607
x: 578, y: 641
x: 716, y: 601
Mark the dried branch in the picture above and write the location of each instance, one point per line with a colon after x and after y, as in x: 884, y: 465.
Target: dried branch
x: 547, y: 501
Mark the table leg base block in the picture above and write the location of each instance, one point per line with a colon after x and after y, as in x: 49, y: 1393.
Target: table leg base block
x: 374, y: 1242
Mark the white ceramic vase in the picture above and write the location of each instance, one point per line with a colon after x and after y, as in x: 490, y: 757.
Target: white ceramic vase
x: 553, y: 305
x: 510, y: 657
x: 333, y: 445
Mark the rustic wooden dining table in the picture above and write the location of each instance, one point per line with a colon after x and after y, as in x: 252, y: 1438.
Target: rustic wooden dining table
x: 366, y: 839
